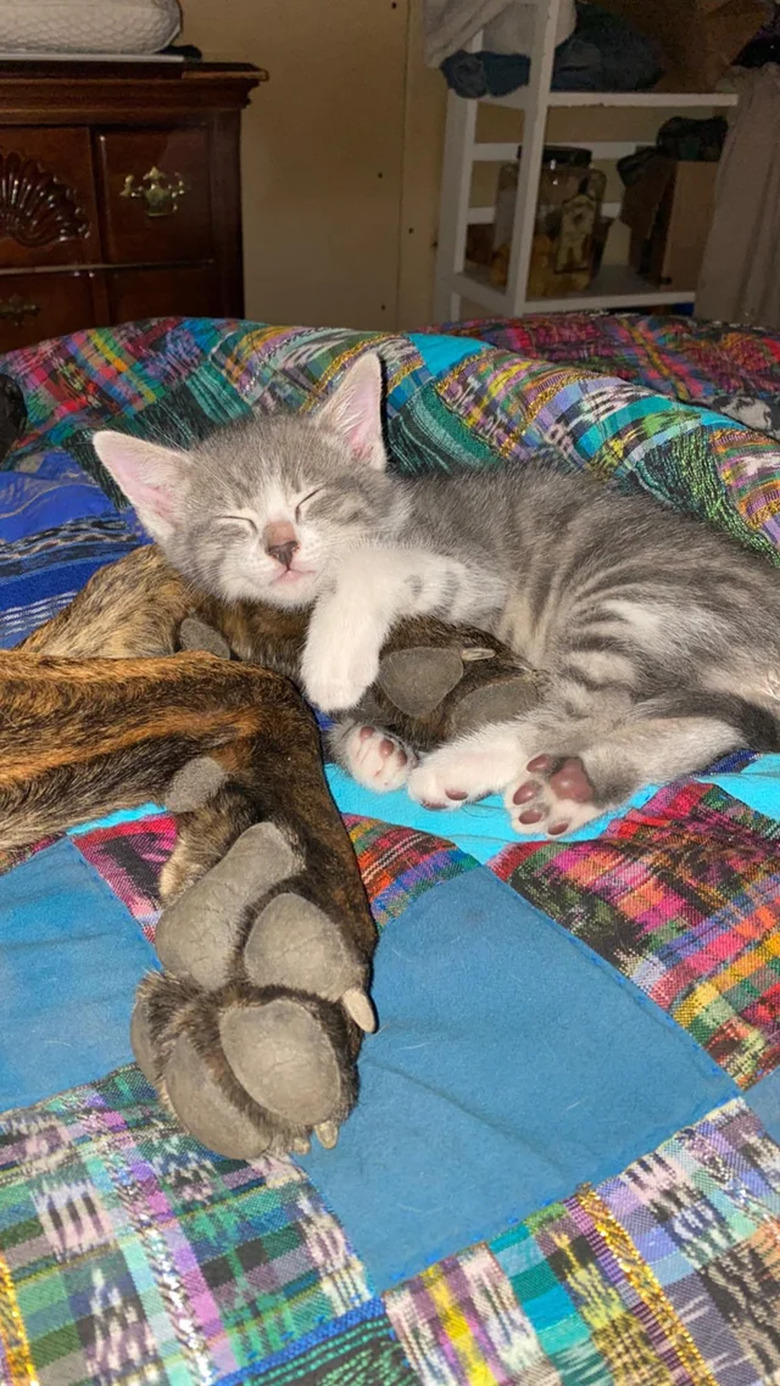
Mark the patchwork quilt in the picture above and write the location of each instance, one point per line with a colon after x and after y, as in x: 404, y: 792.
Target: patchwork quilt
x: 564, y: 1169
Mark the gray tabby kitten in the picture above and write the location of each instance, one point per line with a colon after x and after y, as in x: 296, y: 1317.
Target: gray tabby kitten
x: 661, y: 637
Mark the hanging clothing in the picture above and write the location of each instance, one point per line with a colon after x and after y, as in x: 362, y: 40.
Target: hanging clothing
x: 740, y: 275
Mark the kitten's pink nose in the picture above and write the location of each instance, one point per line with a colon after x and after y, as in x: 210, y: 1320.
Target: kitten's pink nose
x: 280, y: 541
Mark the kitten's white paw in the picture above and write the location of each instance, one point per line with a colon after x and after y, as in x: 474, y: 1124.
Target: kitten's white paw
x: 337, y: 667
x: 553, y: 795
x: 376, y: 759
x: 456, y: 774
x: 339, y: 689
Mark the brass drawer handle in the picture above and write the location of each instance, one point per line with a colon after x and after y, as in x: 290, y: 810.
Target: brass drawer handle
x: 160, y: 191
x: 15, y: 309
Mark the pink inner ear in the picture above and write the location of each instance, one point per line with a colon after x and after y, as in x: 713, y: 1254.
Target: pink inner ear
x: 142, y: 494
x: 154, y: 498
x: 359, y: 418
x: 362, y: 435
x: 355, y: 411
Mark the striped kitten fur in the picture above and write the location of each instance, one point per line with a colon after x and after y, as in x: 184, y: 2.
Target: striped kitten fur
x: 660, y: 638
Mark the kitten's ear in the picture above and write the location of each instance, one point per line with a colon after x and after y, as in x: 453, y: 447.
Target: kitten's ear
x: 355, y: 411
x: 151, y: 477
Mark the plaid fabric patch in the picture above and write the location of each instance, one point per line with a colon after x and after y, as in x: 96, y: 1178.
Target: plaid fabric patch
x: 668, y: 1273
x: 683, y: 896
x: 698, y: 461
x: 359, y: 1349
x: 127, y: 1253
x: 399, y: 864
x: 130, y: 857
x: 681, y: 357
x: 460, y: 1322
x: 277, y: 367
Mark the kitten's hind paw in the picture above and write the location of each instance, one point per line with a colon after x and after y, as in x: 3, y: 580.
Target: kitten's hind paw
x: 373, y: 757
x: 553, y: 796
x: 467, y: 769
x: 252, y: 1033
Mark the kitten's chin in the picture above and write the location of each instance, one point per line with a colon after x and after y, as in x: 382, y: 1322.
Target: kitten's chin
x: 289, y: 590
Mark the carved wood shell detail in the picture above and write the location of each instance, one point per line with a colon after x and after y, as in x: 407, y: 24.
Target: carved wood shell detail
x: 36, y: 209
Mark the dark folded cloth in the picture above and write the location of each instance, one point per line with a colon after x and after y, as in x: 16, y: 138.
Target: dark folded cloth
x: 603, y: 54
x: 679, y: 138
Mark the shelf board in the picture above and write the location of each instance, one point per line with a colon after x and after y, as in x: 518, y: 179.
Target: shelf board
x: 493, y: 152
x: 475, y: 284
x: 485, y: 216
x: 615, y: 286
x: 516, y: 100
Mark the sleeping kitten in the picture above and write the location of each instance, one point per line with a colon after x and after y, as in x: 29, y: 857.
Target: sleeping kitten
x: 661, y: 637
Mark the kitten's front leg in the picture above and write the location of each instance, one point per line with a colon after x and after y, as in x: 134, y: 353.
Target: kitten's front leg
x: 341, y: 657
x: 374, y: 588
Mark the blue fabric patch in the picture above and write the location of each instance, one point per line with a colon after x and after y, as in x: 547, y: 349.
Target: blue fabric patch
x: 29, y: 504
x: 757, y: 784
x: 440, y: 352
x: 511, y: 1064
x: 71, y: 957
x: 764, y: 1100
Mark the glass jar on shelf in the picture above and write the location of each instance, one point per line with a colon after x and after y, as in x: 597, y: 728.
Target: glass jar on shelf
x: 568, y: 213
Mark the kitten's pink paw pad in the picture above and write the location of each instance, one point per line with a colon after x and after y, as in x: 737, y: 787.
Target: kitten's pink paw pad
x: 571, y: 782
x: 377, y: 760
x: 527, y: 791
x: 554, y: 796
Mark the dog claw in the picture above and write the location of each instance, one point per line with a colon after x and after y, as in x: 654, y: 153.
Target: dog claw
x: 359, y: 1008
x: 327, y: 1134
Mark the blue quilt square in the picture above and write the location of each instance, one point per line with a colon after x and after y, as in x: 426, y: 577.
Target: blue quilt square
x: 71, y: 956
x: 511, y: 1064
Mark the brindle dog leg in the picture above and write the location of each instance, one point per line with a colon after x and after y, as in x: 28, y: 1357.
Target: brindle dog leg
x: 253, y: 1039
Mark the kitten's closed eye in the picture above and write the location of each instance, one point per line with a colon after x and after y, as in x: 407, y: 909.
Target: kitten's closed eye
x: 237, y: 521
x: 305, y: 499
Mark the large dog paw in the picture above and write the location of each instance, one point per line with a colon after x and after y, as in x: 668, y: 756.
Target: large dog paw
x: 251, y: 1033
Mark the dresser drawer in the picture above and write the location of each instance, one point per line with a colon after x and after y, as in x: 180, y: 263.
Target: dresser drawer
x: 189, y: 291
x: 36, y: 306
x: 47, y: 202
x: 155, y: 194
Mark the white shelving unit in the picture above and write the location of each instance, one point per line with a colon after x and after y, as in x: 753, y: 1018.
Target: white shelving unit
x: 615, y: 286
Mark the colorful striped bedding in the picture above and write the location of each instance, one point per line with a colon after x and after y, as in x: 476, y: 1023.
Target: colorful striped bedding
x: 564, y: 1169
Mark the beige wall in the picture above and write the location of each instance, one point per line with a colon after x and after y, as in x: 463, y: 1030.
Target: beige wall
x: 341, y: 154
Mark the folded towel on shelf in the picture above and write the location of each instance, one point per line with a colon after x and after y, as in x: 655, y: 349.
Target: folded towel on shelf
x: 507, y: 25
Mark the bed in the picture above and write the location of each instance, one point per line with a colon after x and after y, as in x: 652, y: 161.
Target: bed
x: 564, y: 1168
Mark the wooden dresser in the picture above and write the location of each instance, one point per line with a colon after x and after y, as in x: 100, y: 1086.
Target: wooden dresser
x: 120, y: 193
